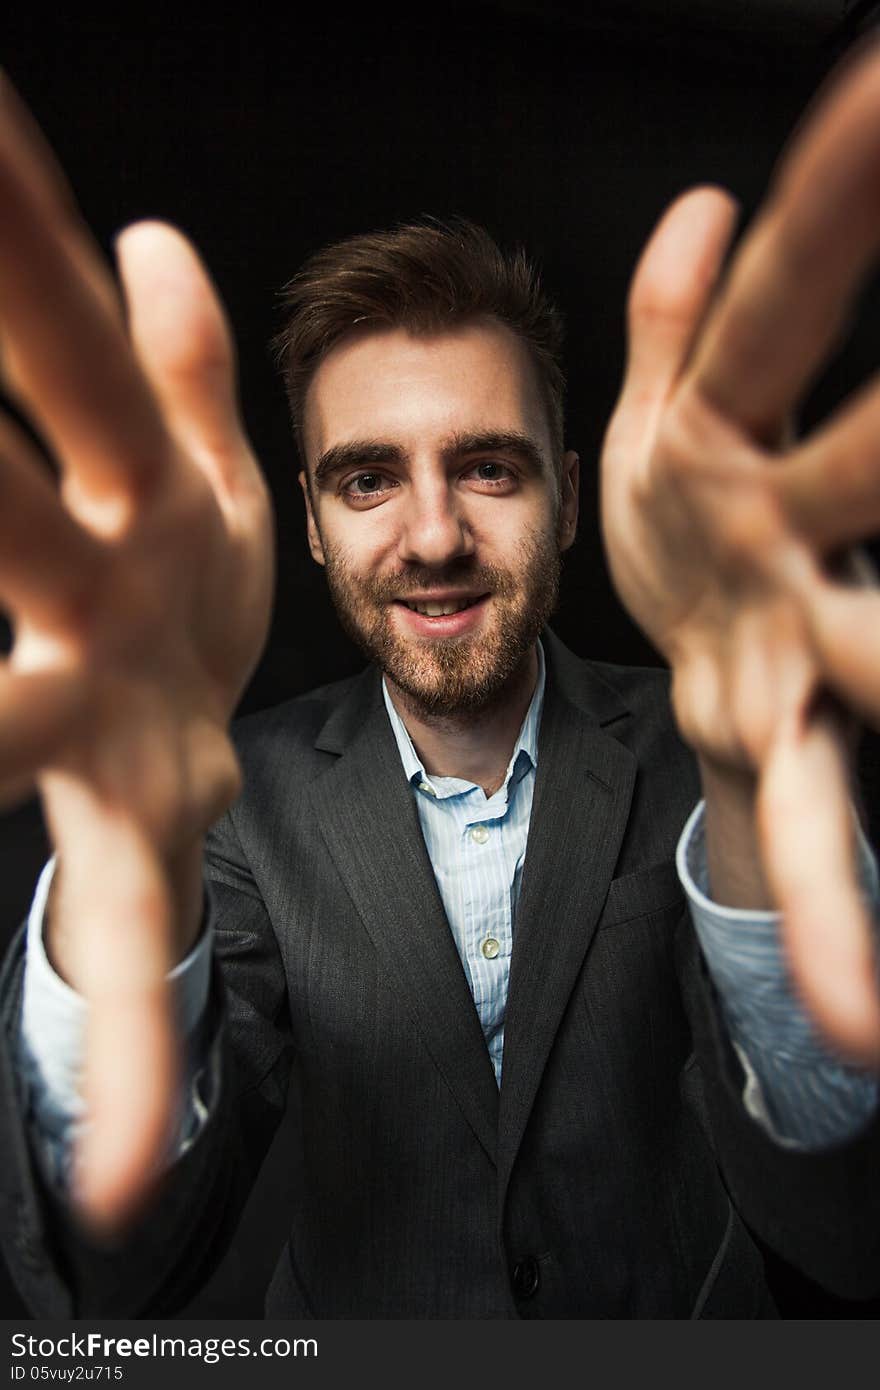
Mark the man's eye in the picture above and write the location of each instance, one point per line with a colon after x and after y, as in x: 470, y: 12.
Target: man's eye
x: 367, y: 485
x: 491, y: 471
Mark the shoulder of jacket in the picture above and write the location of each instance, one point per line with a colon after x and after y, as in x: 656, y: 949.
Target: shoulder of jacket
x: 294, y: 721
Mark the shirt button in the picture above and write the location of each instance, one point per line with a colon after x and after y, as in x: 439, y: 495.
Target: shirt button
x: 490, y: 947
x: 480, y: 834
x: 426, y: 787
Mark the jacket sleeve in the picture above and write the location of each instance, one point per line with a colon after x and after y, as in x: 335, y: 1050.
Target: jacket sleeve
x: 819, y: 1211
x: 174, y: 1247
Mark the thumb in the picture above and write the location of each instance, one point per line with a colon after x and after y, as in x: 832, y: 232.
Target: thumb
x: 672, y: 287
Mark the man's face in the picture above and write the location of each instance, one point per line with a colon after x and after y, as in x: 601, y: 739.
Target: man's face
x: 435, y: 506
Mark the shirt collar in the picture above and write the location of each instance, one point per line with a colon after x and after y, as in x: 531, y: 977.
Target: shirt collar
x: 525, y: 752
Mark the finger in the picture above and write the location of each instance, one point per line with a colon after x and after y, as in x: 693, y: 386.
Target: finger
x: 828, y: 486
x: 672, y: 287
x: 49, y: 566
x: 792, y: 280
x: 808, y: 848
x: 37, y: 709
x: 64, y: 343
x: 183, y: 341
x: 131, y: 1075
x: 844, y: 629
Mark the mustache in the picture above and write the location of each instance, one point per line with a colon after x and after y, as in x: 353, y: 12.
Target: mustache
x: 478, y: 578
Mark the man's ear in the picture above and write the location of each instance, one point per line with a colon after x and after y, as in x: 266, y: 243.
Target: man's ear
x: 312, y: 531
x: 568, y: 490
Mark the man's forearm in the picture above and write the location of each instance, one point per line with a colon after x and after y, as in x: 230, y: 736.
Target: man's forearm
x: 732, y: 849
x: 801, y: 1093
x: 65, y: 909
x: 51, y: 1046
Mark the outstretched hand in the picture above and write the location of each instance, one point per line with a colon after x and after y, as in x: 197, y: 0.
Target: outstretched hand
x: 725, y: 538
x: 139, y: 595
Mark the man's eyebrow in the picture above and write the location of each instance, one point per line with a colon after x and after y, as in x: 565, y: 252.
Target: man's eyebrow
x: 367, y: 453
x: 355, y: 454
x: 497, y: 442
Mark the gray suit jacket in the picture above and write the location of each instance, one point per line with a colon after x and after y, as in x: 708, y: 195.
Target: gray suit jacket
x: 615, y: 1175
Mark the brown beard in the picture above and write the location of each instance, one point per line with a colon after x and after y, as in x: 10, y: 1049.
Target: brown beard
x: 458, y: 675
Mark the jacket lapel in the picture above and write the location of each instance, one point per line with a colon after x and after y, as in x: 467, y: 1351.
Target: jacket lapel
x: 582, y: 797
x: 366, y: 812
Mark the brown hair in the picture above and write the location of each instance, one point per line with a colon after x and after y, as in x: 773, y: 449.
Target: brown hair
x: 424, y: 277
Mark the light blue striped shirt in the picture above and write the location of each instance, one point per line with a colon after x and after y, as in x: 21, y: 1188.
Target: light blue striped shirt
x: 477, y: 848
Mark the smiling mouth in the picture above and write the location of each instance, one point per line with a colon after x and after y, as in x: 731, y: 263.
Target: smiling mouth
x: 441, y: 608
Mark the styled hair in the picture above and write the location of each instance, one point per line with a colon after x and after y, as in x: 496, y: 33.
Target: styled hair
x: 424, y: 277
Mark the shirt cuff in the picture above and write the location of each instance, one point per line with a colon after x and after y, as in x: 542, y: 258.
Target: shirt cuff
x: 802, y: 1094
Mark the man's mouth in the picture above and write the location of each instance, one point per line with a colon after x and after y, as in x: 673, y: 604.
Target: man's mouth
x: 441, y: 608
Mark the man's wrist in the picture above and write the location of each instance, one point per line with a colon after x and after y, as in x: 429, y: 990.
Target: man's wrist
x: 54, y: 1015
x: 67, y: 903
x: 732, y: 848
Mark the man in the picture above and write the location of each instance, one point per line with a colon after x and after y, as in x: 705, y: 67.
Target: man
x: 370, y: 951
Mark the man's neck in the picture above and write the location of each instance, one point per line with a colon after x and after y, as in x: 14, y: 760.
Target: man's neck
x: 475, y: 746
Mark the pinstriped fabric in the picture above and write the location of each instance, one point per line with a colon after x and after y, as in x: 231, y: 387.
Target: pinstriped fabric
x: 805, y: 1096
x: 477, y: 847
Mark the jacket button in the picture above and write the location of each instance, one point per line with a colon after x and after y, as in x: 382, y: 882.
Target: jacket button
x: 526, y: 1277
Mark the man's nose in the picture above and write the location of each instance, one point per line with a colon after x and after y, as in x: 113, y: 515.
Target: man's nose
x: 435, y: 529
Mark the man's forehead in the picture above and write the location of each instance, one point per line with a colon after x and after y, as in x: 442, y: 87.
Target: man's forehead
x: 473, y: 379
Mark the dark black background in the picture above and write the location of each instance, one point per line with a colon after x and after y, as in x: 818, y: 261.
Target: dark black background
x: 265, y: 137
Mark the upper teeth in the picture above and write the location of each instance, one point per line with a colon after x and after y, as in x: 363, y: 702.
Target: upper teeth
x: 438, y: 610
